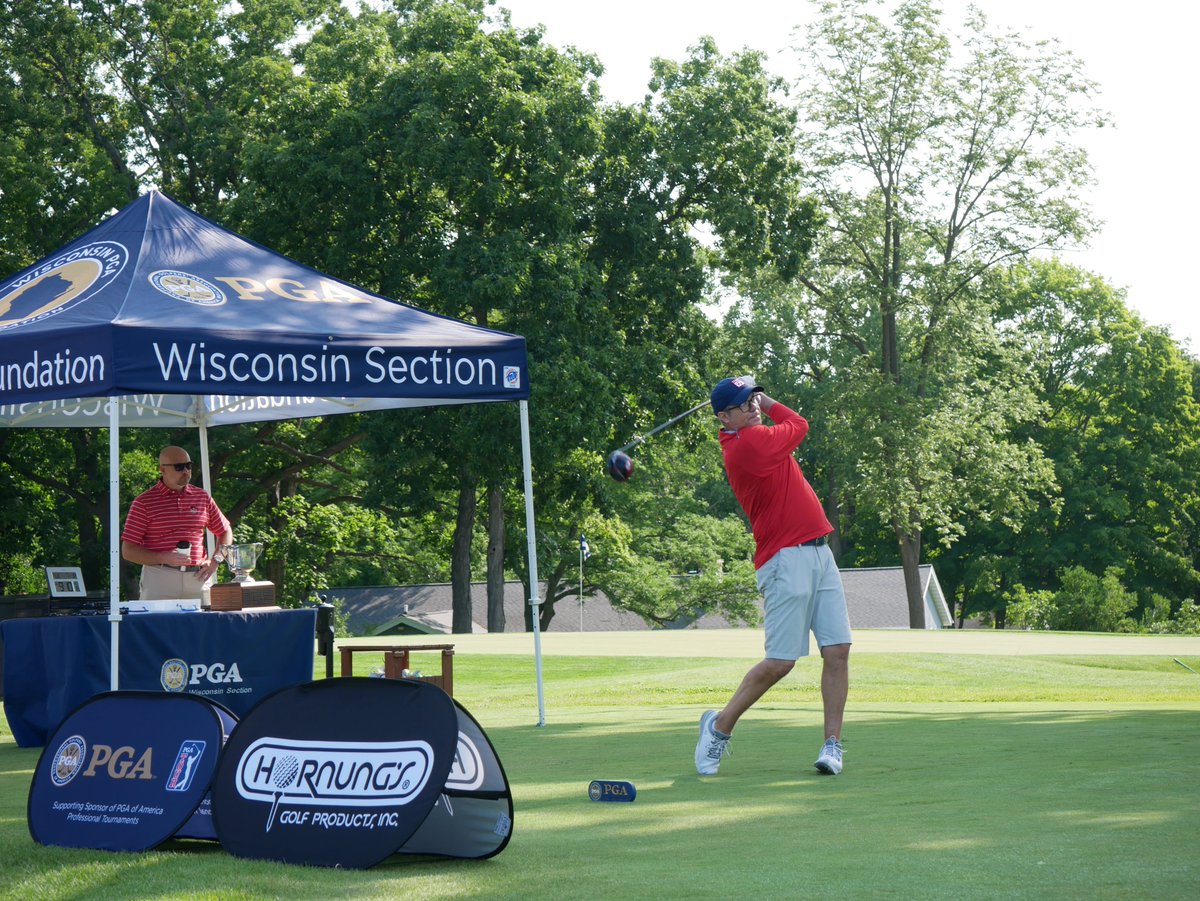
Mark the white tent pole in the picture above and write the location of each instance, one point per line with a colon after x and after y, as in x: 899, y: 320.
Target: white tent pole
x: 531, y: 538
x: 202, y: 422
x: 114, y: 543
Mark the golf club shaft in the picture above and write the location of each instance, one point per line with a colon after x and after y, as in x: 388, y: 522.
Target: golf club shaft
x: 638, y: 439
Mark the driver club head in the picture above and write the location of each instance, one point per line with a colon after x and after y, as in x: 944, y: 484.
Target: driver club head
x: 620, y: 466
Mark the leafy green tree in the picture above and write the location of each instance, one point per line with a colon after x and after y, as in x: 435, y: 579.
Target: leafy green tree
x: 56, y: 501
x: 1083, y: 602
x: 155, y: 93
x: 693, y: 565
x: 1030, y: 609
x: 935, y: 161
x: 1186, y: 622
x: 667, y: 544
x: 1122, y: 425
x: 1118, y: 421
x: 63, y: 145
x: 1086, y: 602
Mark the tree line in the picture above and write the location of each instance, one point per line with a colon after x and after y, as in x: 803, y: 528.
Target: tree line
x: 879, y: 241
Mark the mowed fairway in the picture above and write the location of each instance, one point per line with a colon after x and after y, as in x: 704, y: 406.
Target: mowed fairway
x: 978, y: 765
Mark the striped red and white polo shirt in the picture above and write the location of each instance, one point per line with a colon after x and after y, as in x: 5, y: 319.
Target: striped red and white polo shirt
x: 160, y: 518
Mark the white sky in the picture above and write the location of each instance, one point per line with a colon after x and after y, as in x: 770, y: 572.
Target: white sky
x: 1142, y: 55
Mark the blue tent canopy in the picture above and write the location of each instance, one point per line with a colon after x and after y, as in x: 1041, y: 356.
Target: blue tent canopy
x: 174, y: 313
x: 180, y: 322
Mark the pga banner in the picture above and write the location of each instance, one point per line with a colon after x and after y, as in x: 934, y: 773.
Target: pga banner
x: 125, y: 771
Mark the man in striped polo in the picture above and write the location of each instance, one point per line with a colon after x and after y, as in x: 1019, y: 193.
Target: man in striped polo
x: 164, y: 532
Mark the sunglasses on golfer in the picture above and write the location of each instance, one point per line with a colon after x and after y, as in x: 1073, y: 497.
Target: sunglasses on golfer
x: 745, y: 406
x: 179, y: 467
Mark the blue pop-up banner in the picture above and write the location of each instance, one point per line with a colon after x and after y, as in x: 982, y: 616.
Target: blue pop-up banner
x: 125, y: 771
x: 346, y: 772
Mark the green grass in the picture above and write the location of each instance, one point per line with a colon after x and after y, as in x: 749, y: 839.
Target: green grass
x: 966, y: 777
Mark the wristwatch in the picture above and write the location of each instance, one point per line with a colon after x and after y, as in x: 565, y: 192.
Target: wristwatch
x: 219, y: 557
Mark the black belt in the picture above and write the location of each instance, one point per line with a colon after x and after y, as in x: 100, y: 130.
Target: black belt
x: 182, y: 569
x: 816, y: 542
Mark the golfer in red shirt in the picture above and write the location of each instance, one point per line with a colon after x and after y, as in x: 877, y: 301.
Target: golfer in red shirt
x: 796, y: 572
x: 172, y: 513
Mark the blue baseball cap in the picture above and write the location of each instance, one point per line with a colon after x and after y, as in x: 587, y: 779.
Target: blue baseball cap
x: 733, y: 391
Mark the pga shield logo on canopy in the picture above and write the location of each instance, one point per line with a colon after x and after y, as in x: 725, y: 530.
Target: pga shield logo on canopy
x: 187, y: 287
x: 61, y: 283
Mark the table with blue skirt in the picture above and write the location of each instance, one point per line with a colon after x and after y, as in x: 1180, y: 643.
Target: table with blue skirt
x: 54, y: 664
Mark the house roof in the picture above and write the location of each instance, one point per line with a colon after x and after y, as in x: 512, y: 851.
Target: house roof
x: 872, y: 593
x: 875, y: 599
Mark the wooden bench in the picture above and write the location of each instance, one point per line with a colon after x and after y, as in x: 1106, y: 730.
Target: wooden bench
x: 396, y: 661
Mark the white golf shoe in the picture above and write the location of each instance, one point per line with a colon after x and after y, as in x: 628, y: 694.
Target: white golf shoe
x: 711, y: 747
x: 829, y: 761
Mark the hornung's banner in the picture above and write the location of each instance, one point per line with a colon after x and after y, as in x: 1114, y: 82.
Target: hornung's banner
x: 157, y: 300
x: 346, y: 772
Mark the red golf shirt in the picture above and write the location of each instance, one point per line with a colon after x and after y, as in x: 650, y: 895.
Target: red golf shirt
x: 767, y: 481
x: 160, y: 518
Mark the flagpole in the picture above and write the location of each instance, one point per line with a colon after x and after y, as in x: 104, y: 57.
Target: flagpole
x: 584, y: 552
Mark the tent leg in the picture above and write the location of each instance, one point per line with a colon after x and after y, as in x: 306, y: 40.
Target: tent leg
x: 531, y: 538
x: 114, y: 544
x: 206, y: 474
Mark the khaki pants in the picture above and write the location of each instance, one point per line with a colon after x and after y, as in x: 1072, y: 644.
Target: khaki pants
x: 162, y: 583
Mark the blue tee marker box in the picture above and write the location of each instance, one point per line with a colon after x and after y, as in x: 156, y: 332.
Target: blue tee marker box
x: 611, y: 790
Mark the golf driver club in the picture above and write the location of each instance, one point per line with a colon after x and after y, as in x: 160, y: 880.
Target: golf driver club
x: 620, y: 466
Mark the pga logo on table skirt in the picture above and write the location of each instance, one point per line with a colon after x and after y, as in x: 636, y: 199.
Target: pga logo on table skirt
x: 340, y: 772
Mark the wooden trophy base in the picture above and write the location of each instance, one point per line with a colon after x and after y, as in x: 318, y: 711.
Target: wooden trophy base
x: 241, y: 595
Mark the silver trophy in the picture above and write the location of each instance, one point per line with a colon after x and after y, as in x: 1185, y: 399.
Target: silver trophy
x: 241, y: 559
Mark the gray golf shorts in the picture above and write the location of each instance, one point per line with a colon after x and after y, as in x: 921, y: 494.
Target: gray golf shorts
x: 802, y: 591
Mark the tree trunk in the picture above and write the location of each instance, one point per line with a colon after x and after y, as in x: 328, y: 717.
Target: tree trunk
x: 554, y: 581
x: 460, y: 561
x: 910, y: 557
x: 275, y: 569
x: 495, y: 559
x: 93, y: 543
x: 833, y: 514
